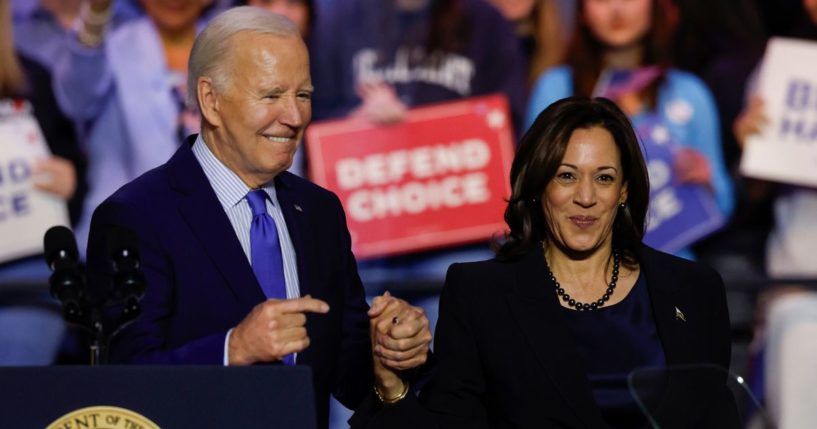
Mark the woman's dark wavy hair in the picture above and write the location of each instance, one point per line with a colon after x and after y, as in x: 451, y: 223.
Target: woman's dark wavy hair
x: 540, y: 152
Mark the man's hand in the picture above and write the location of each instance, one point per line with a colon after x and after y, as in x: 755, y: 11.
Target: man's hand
x: 272, y: 330
x: 400, y: 341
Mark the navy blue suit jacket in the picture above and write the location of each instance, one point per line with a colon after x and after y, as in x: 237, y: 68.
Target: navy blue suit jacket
x: 200, y: 283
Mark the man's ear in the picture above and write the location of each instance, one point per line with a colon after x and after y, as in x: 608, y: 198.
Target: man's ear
x: 208, y: 101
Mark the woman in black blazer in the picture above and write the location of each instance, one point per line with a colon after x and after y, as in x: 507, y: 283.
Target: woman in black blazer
x: 545, y: 334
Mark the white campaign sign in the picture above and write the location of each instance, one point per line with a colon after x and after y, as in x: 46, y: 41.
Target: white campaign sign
x: 25, y: 212
x: 786, y: 150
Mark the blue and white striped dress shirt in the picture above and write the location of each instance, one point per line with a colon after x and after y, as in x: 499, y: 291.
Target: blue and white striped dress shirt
x: 232, y: 192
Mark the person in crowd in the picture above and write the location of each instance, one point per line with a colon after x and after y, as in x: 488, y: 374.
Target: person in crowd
x: 721, y: 42
x: 544, y: 334
x: 401, y: 54
x: 301, y: 12
x: 126, y: 88
x: 30, y: 335
x: 632, y: 36
x: 790, y: 301
x: 247, y: 263
x: 445, y: 46
x: 540, y: 27
x: 43, y: 28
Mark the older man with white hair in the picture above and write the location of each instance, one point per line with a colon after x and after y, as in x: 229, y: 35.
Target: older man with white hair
x: 246, y: 263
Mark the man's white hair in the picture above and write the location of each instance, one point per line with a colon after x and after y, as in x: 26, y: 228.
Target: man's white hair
x: 210, y: 54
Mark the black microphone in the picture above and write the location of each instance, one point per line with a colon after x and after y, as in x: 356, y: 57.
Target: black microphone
x: 66, y: 282
x: 129, y: 282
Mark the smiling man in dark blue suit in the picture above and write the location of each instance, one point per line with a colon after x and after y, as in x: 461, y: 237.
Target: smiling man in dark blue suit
x: 246, y: 263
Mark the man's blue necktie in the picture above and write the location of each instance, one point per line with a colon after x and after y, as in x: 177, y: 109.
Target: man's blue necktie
x: 265, y: 250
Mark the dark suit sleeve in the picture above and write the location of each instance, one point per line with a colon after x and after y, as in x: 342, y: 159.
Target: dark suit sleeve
x: 453, y: 398
x: 145, y: 340
x: 723, y: 413
x: 697, y: 395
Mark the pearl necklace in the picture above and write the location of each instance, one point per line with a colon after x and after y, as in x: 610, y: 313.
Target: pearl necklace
x: 581, y: 306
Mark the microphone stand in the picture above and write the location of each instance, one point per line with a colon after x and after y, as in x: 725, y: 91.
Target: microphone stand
x: 99, y: 341
x: 79, y: 307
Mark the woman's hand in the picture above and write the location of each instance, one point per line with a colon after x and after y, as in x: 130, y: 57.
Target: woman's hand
x: 751, y: 121
x: 380, y: 103
x: 57, y: 176
x: 692, y: 167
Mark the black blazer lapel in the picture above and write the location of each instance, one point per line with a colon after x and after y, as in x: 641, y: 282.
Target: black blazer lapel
x: 536, y: 311
x: 677, y: 397
x: 198, y: 205
x: 666, y: 295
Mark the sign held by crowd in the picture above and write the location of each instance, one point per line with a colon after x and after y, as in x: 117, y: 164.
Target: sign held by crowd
x: 786, y: 149
x: 25, y: 212
x: 439, y: 178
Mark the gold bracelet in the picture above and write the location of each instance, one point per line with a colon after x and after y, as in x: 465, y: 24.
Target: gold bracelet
x: 396, y: 399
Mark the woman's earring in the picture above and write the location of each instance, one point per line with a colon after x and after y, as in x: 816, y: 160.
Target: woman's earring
x: 622, y: 205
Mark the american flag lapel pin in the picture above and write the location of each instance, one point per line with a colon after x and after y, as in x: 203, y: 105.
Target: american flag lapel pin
x: 679, y: 315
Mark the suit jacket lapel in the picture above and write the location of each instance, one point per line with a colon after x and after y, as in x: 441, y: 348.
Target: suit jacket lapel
x: 201, y: 210
x: 666, y: 295
x: 536, y: 311
x: 670, y: 403
x: 294, y: 215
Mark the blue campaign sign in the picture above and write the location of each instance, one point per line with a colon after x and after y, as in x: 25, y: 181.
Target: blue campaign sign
x: 679, y: 214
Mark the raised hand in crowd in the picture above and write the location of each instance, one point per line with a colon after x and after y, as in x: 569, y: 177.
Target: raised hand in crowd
x: 57, y: 176
x: 380, y: 103
x: 94, y: 16
x: 750, y: 121
x: 691, y: 166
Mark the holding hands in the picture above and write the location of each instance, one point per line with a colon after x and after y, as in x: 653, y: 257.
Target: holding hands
x: 400, y: 336
x: 400, y: 341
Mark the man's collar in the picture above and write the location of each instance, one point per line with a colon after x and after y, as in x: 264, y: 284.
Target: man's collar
x: 229, y: 188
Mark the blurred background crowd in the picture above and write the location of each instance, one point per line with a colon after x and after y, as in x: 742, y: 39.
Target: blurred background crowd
x: 106, y: 80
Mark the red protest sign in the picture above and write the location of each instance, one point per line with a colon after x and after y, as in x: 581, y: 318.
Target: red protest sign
x: 437, y: 179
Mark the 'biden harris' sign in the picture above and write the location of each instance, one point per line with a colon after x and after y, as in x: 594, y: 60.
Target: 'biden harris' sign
x: 679, y: 214
x: 786, y: 150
